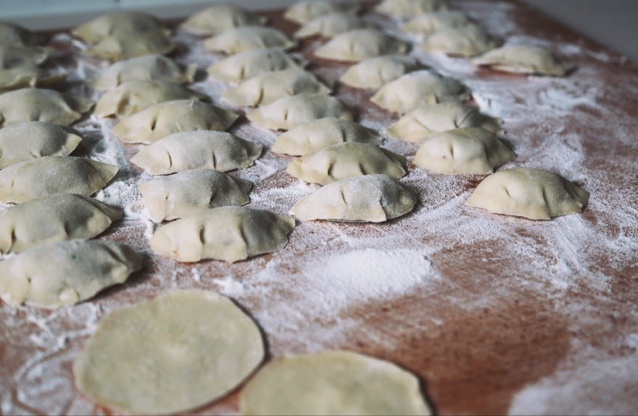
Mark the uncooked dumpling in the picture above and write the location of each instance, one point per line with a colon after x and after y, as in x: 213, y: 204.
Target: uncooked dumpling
x: 119, y: 23
x: 34, y: 139
x: 532, y: 193
x: 163, y: 119
x: 332, y: 383
x: 421, y: 123
x: 357, y: 45
x: 66, y: 272
x: 345, y: 160
x: 290, y: 112
x: 134, y: 96
x: 524, y: 59
x: 408, y: 8
x: 14, y: 35
x: 52, y: 175
x: 219, y: 18
x: 53, y: 218
x: 249, y: 64
x: 374, y: 73
x: 368, y: 198
x: 330, y: 25
x: 324, y: 132
x: 197, y: 150
x: 249, y: 38
x: 191, y: 192
x: 19, y: 68
x: 469, y: 150
x: 465, y: 41
x: 225, y: 233
x: 416, y: 89
x: 271, y: 86
x: 35, y: 104
x: 307, y: 10
x: 130, y: 45
x: 428, y: 23
x: 175, y: 353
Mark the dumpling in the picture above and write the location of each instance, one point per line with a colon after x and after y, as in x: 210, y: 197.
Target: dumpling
x: 290, y: 112
x: 532, y: 193
x: 464, y: 41
x: 416, y: 89
x: 35, y: 104
x: 225, y: 233
x: 271, y: 86
x: 324, y: 132
x: 368, y: 198
x: 524, y: 59
x: 469, y: 150
x: 305, y: 11
x: 249, y: 38
x: 219, y: 18
x: 163, y: 119
x: 330, y: 25
x: 345, y: 160
x: 246, y: 65
x: 134, y: 96
x: 130, y: 45
x: 20, y: 68
x: 374, y: 73
x: 408, y: 8
x: 17, y: 56
x: 34, y: 139
x: 14, y: 35
x: 428, y: 23
x: 52, y: 175
x: 191, y: 192
x: 197, y: 150
x: 53, y: 218
x: 357, y: 45
x: 67, y: 272
x: 144, y: 68
x: 119, y: 23
x: 423, y: 122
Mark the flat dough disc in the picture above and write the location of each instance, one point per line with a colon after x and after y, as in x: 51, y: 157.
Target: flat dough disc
x: 174, y: 353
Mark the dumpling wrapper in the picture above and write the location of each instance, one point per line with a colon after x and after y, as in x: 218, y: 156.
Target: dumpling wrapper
x: 332, y: 383
x: 374, y: 73
x: 469, y: 150
x: 409, y: 8
x: 271, y: 86
x: 324, y: 132
x: 134, y: 96
x: 425, y: 121
x: 368, y: 198
x: 306, y: 10
x: 35, y: 104
x: 169, y: 355
x: 524, y: 59
x: 466, y: 41
x: 131, y: 45
x: 66, y: 272
x: 197, y: 150
x: 330, y: 25
x: 50, y: 175
x: 34, y: 139
x: 428, y: 23
x: 226, y: 233
x: 14, y: 35
x: 246, y: 65
x: 290, y: 112
x: 249, y: 38
x: 119, y: 23
x: 191, y: 192
x: 17, y: 56
x: 346, y: 160
x: 54, y: 218
x: 531, y: 193
x: 219, y: 18
x: 359, y: 44
x: 416, y: 89
x: 27, y: 76
x: 163, y: 119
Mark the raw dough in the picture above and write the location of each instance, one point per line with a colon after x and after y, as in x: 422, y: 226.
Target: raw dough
x: 469, y: 150
x: 35, y: 104
x: 324, y: 132
x: 163, y: 119
x: 359, y: 44
x: 19, y: 68
x: 524, y: 59
x: 374, y: 73
x: 197, y: 150
x: 408, y: 8
x: 14, y: 35
x: 225, y: 233
x: 532, y: 193
x: 169, y: 355
x: 130, y: 45
x: 52, y: 175
x: 130, y: 24
x: 332, y: 383
x: 368, y: 198
x: 464, y: 41
x: 307, y: 10
x: 191, y: 192
x: 330, y: 25
x: 428, y: 23
x: 345, y: 160
x: 53, y: 218
x: 290, y: 112
x: 219, y: 18
x: 66, y: 272
x: 251, y: 38
x: 249, y: 64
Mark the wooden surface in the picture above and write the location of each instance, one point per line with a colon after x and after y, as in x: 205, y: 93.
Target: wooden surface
x: 494, y: 314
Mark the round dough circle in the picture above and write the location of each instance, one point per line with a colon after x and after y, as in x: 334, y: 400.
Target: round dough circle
x: 171, y: 354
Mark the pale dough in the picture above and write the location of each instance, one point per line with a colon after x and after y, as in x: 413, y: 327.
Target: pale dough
x: 373, y: 73
x: 330, y: 25
x: 524, y: 59
x: 467, y: 41
x: 306, y: 10
x: 36, y: 104
x: 409, y: 8
x: 129, y: 45
x: 246, y: 65
x: 250, y: 38
x: 127, y: 23
x: 428, y: 23
x: 219, y: 18
x: 14, y: 35
x: 359, y: 44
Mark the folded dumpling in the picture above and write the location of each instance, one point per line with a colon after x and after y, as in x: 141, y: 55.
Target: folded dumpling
x: 359, y: 44
x: 119, y: 23
x: 219, y: 18
x: 20, y: 68
x: 36, y: 104
x: 306, y: 10
x: 428, y: 23
x: 524, y: 59
x: 374, y: 73
x: 468, y: 40
x: 408, y: 8
x: 129, y: 45
x: 246, y: 65
x: 249, y: 38
x: 331, y: 25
